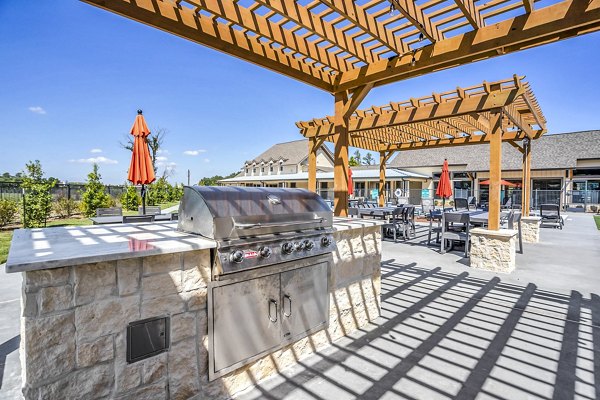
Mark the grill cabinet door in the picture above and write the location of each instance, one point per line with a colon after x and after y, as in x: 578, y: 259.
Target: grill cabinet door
x: 246, y: 319
x: 304, y: 301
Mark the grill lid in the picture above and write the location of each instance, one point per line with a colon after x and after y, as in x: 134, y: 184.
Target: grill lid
x: 228, y: 212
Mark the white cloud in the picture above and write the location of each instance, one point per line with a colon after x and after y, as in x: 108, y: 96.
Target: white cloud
x: 96, y: 151
x: 161, y: 158
x: 37, y: 110
x: 194, y: 152
x: 162, y: 151
x: 95, y: 160
x: 206, y: 160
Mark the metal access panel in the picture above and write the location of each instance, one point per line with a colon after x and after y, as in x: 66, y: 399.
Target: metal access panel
x: 305, y: 301
x: 245, y: 321
x: 146, y: 338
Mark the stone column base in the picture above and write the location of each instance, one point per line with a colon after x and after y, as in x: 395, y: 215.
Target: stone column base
x: 493, y: 250
x: 531, y: 229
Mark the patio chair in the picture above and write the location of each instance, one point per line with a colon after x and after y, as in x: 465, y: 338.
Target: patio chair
x: 175, y: 216
x: 150, y: 210
x: 109, y: 212
x: 400, y: 222
x: 434, y: 215
x: 472, y: 201
x: 508, y: 204
x: 550, y: 214
x: 461, y: 204
x: 452, y: 231
x: 514, y: 218
x: 353, y: 212
x: 129, y: 219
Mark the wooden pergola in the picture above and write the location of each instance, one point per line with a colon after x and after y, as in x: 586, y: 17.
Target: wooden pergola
x: 491, y: 113
x: 347, y: 47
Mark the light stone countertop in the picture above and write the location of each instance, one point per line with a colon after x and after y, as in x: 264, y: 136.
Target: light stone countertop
x: 45, y: 248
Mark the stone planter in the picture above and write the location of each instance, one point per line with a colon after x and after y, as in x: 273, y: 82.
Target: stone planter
x: 493, y: 250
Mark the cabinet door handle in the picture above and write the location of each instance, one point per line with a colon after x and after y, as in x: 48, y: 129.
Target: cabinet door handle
x: 273, y: 302
x: 289, y: 298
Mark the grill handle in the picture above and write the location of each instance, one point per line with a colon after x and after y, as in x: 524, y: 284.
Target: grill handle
x: 289, y: 298
x: 273, y: 301
x: 277, y: 224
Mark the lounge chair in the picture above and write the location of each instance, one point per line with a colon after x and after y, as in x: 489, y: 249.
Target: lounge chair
x: 550, y: 214
x: 150, y: 210
x: 109, y: 212
x: 450, y: 231
x: 128, y: 219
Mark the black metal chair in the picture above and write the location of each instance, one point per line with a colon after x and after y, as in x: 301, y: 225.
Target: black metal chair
x: 461, y: 204
x: 452, y: 231
x: 435, y: 215
x: 402, y: 220
x: 109, y: 212
x: 128, y: 219
x: 353, y: 212
x: 550, y: 214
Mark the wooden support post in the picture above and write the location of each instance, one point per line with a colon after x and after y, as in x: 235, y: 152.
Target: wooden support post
x: 528, y: 192
x: 340, y: 157
x: 313, y: 146
x: 345, y: 104
x: 495, y: 169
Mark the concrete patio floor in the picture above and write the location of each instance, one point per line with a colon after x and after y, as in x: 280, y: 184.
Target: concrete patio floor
x: 446, y: 331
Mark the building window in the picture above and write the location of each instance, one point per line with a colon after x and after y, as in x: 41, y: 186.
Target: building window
x: 271, y: 168
x: 247, y: 170
x: 280, y: 168
x: 253, y: 170
x: 262, y: 170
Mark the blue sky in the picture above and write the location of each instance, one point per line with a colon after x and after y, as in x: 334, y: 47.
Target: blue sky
x: 72, y: 77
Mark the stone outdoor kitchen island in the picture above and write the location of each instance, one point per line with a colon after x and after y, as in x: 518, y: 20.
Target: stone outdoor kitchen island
x: 83, y: 287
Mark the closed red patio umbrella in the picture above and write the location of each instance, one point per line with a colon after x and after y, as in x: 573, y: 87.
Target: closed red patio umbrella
x: 350, y: 183
x: 141, y: 170
x: 444, y: 189
x: 502, y: 182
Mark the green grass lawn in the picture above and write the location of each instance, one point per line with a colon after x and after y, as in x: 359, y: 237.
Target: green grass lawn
x: 597, y: 219
x: 5, y: 238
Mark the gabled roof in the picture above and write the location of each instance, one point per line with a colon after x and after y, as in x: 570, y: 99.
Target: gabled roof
x: 290, y: 152
x: 551, y: 151
x: 357, y: 174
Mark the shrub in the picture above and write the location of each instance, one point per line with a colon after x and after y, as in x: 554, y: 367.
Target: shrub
x: 158, y: 192
x: 65, y: 207
x: 8, y: 211
x: 176, y: 193
x: 94, y: 196
x: 38, y: 200
x: 130, y: 199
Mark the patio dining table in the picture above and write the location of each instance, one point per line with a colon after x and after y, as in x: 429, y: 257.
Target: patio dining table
x: 118, y: 219
x: 377, y: 212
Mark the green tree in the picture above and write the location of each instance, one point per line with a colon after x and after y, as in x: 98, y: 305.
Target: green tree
x: 130, y: 199
x: 38, y: 200
x: 94, y: 196
x: 352, y: 162
x: 213, y: 180
x: 368, y: 159
x: 176, y: 193
x: 158, y: 192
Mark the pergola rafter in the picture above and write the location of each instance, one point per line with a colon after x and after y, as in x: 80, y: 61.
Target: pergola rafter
x: 341, y: 45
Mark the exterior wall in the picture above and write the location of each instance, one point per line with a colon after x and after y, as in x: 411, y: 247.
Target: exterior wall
x: 73, y: 330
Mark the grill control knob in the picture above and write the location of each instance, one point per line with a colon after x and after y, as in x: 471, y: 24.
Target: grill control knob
x: 237, y: 256
x: 325, y: 241
x: 287, y: 247
x: 265, y: 252
x: 299, y: 246
x: 308, y: 244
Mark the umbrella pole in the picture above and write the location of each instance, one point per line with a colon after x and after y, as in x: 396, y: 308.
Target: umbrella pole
x: 143, y: 200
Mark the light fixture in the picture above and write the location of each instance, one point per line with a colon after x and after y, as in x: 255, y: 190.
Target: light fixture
x: 421, y: 37
x: 391, y: 9
x: 413, y: 61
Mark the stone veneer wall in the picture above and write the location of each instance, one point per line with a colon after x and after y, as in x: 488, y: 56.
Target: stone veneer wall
x: 531, y: 229
x: 74, y: 324
x: 493, y: 250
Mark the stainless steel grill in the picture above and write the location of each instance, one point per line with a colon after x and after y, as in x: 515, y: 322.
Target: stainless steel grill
x: 271, y: 270
x: 256, y: 227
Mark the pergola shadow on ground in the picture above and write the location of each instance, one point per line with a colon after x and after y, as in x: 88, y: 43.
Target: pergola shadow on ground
x: 446, y: 335
x: 452, y: 332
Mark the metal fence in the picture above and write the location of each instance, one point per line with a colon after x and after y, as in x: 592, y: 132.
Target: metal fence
x: 68, y: 190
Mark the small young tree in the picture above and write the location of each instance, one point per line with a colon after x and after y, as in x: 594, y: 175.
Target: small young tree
x: 64, y: 207
x: 368, y: 159
x: 94, y: 196
x: 8, y: 211
x: 130, y: 199
x: 38, y: 200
